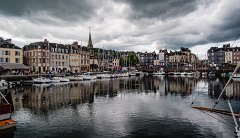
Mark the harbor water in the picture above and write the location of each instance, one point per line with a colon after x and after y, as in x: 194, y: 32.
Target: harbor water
x: 152, y: 106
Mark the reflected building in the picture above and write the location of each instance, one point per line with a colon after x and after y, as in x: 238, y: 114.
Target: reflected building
x: 182, y: 85
x: 215, y: 87
x: 106, y: 87
x: 44, y: 97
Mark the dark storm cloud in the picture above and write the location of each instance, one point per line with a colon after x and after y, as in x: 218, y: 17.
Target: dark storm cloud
x: 123, y: 24
x: 162, y: 9
x: 228, y: 28
x: 61, y: 9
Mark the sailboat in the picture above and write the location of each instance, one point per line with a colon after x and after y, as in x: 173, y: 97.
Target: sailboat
x: 229, y: 113
x: 5, y: 114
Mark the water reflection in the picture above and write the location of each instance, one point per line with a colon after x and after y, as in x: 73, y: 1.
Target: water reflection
x: 232, y: 91
x: 44, y: 97
x: 98, y: 109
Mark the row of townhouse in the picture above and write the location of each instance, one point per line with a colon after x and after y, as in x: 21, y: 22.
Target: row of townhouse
x: 226, y: 54
x: 163, y: 58
x: 44, y: 56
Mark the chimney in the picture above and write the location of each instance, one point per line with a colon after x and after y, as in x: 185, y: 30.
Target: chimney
x: 45, y: 41
x: 9, y: 41
x: 75, y: 43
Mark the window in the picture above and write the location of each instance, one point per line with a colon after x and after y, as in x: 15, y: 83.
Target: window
x: 7, y: 52
x: 17, y: 60
x: 17, y: 53
x: 7, y: 60
x: 2, y: 59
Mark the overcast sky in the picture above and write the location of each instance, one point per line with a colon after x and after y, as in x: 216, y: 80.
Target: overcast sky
x: 138, y: 25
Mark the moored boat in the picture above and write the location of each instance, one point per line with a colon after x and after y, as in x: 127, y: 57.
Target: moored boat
x: 5, y: 114
x: 75, y: 78
x: 3, y: 83
x: 7, y: 124
x: 61, y: 79
x: 88, y: 77
x: 236, y: 75
x: 159, y: 73
x: 41, y: 80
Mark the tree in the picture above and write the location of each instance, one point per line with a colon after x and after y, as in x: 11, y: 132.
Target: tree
x: 131, y: 58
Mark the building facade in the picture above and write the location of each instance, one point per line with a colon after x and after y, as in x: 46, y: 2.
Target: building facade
x: 9, y: 53
x: 43, y: 57
x: 224, y: 55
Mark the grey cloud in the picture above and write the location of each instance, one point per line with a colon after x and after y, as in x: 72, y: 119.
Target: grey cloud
x: 228, y: 27
x: 61, y: 9
x: 162, y: 9
x: 152, y: 23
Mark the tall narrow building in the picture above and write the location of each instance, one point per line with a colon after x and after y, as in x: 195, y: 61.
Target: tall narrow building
x: 90, y: 45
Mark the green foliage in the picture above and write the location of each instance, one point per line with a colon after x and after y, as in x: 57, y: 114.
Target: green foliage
x: 130, y: 60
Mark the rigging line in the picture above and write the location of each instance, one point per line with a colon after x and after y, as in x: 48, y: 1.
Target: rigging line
x: 197, y: 96
x: 218, y: 119
x: 234, y: 118
x: 219, y: 114
x: 235, y: 39
x: 235, y: 70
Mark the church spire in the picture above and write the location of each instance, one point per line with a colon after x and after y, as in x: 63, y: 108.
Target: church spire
x: 90, y: 45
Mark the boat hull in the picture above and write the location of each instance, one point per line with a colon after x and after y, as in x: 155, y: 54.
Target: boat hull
x: 5, y: 116
x: 6, y: 124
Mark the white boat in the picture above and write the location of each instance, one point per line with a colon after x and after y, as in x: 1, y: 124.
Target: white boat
x: 3, y: 83
x: 176, y: 73
x: 54, y: 81
x: 113, y: 76
x: 184, y: 73
x: 88, y: 77
x: 104, y: 76
x: 190, y: 73
x: 61, y: 79
x: 41, y: 80
x: 75, y: 78
x: 159, y: 73
x: 126, y: 74
x: 236, y: 75
x: 132, y: 74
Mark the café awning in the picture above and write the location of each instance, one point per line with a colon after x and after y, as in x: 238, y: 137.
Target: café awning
x: 12, y: 66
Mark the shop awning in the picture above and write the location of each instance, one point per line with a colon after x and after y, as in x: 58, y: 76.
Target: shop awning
x: 12, y: 66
